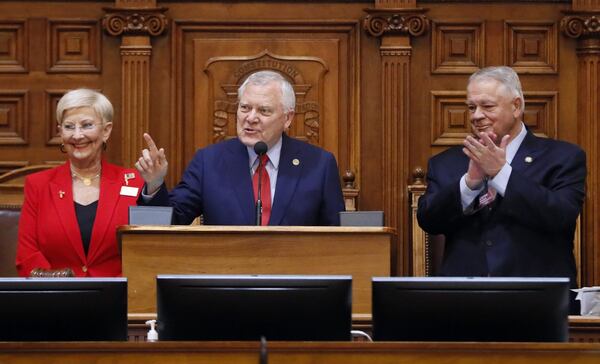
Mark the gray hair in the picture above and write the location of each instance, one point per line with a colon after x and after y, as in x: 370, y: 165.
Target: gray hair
x: 84, y: 97
x: 261, y: 78
x: 506, y: 76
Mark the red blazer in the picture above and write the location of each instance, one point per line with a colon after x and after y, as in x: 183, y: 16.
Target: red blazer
x: 49, y: 235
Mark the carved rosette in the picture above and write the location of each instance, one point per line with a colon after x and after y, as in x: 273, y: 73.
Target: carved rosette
x: 411, y: 22
x: 150, y: 22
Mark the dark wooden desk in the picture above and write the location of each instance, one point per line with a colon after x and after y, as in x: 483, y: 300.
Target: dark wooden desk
x: 299, y: 353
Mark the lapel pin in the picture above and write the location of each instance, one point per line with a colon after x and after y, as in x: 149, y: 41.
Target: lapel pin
x: 296, y: 162
x: 61, y: 194
x: 528, y: 159
x: 127, y: 177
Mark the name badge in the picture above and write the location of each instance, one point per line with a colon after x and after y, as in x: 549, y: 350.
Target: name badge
x: 129, y: 191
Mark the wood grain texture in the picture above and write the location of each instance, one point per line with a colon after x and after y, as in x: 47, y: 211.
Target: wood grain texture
x: 147, y: 251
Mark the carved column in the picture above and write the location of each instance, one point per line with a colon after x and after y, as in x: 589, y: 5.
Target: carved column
x: 395, y: 21
x: 583, y: 23
x: 136, y: 21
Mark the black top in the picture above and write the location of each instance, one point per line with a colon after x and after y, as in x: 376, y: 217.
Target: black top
x: 86, y: 214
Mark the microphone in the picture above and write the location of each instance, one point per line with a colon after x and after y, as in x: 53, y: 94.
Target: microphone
x: 260, y: 148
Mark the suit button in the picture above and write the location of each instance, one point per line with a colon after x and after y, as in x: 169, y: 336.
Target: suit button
x: 489, y: 243
x: 84, y: 269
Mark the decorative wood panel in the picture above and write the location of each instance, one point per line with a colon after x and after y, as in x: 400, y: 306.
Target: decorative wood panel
x: 450, y: 122
x: 457, y: 47
x: 74, y: 46
x: 531, y: 47
x: 52, y: 98
x: 541, y: 110
x: 319, y: 59
x: 306, y: 74
x: 13, y: 117
x: 13, y: 46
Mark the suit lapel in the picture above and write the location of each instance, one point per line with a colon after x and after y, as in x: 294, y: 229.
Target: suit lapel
x: 527, y: 153
x: 61, y: 188
x: 110, y: 185
x: 237, y: 167
x: 287, y: 179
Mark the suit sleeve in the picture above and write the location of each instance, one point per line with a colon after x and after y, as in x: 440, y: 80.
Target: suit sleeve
x: 552, y: 204
x: 186, y: 197
x: 440, y: 208
x: 332, y: 199
x: 29, y: 255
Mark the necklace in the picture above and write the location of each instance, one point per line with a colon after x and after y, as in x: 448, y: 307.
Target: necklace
x: 86, y: 180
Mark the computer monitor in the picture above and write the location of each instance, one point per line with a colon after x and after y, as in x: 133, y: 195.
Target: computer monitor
x: 470, y: 309
x: 248, y: 307
x: 63, y: 309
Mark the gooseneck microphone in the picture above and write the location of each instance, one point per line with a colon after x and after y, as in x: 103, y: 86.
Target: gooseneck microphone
x: 260, y: 148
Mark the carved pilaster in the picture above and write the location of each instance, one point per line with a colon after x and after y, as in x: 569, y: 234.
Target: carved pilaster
x: 395, y: 27
x: 584, y: 26
x: 136, y: 26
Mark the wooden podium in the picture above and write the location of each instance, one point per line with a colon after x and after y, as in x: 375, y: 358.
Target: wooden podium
x: 362, y: 252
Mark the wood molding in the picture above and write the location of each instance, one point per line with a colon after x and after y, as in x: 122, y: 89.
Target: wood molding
x: 583, y: 24
x: 380, y: 22
x: 395, y: 27
x: 136, y: 25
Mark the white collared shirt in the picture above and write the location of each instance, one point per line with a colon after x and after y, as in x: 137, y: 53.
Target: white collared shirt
x: 500, y: 181
x: 272, y: 167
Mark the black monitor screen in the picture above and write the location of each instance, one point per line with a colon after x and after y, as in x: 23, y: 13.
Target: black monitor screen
x: 244, y: 307
x: 63, y: 309
x: 470, y: 309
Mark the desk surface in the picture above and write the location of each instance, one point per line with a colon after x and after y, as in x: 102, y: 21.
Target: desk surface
x: 300, y: 352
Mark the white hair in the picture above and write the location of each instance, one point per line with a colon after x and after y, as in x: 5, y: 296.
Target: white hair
x: 84, y: 97
x: 506, y: 76
x: 261, y: 78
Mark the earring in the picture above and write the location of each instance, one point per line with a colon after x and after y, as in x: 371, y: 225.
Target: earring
x: 62, y: 147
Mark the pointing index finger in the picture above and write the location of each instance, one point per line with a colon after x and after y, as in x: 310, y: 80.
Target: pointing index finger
x: 151, y: 145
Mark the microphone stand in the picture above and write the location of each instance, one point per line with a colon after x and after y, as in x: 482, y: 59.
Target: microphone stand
x: 259, y: 194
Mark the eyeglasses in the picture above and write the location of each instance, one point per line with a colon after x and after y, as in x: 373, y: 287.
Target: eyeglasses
x: 84, y: 127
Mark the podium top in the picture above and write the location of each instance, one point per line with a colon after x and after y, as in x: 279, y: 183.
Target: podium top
x: 175, y: 229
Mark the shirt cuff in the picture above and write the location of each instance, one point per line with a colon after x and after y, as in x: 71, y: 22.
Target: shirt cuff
x: 145, y: 196
x: 500, y: 182
x: 467, y: 195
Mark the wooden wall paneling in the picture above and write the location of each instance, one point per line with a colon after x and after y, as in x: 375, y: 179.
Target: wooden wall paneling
x: 395, y: 27
x: 319, y: 58
x: 582, y: 24
x: 136, y: 22
x: 14, y: 117
x: 74, y: 46
x: 13, y: 46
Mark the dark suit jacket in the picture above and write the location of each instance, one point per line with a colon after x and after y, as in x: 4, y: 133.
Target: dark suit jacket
x: 528, y: 232
x: 49, y: 235
x: 217, y: 183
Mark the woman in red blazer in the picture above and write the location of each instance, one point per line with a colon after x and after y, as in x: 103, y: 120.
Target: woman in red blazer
x: 71, y: 212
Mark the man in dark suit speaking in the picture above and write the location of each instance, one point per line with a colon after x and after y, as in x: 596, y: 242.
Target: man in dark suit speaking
x: 507, y: 201
x: 299, y: 183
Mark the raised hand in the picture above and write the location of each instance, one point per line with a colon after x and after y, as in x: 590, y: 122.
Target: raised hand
x: 152, y: 165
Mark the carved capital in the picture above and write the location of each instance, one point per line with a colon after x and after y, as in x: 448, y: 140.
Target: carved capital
x: 581, y: 24
x: 396, y: 21
x: 151, y: 22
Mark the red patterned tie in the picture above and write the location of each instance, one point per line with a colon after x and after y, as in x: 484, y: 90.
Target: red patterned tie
x: 265, y: 186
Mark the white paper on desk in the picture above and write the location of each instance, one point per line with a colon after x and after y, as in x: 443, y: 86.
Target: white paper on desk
x: 590, y: 300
